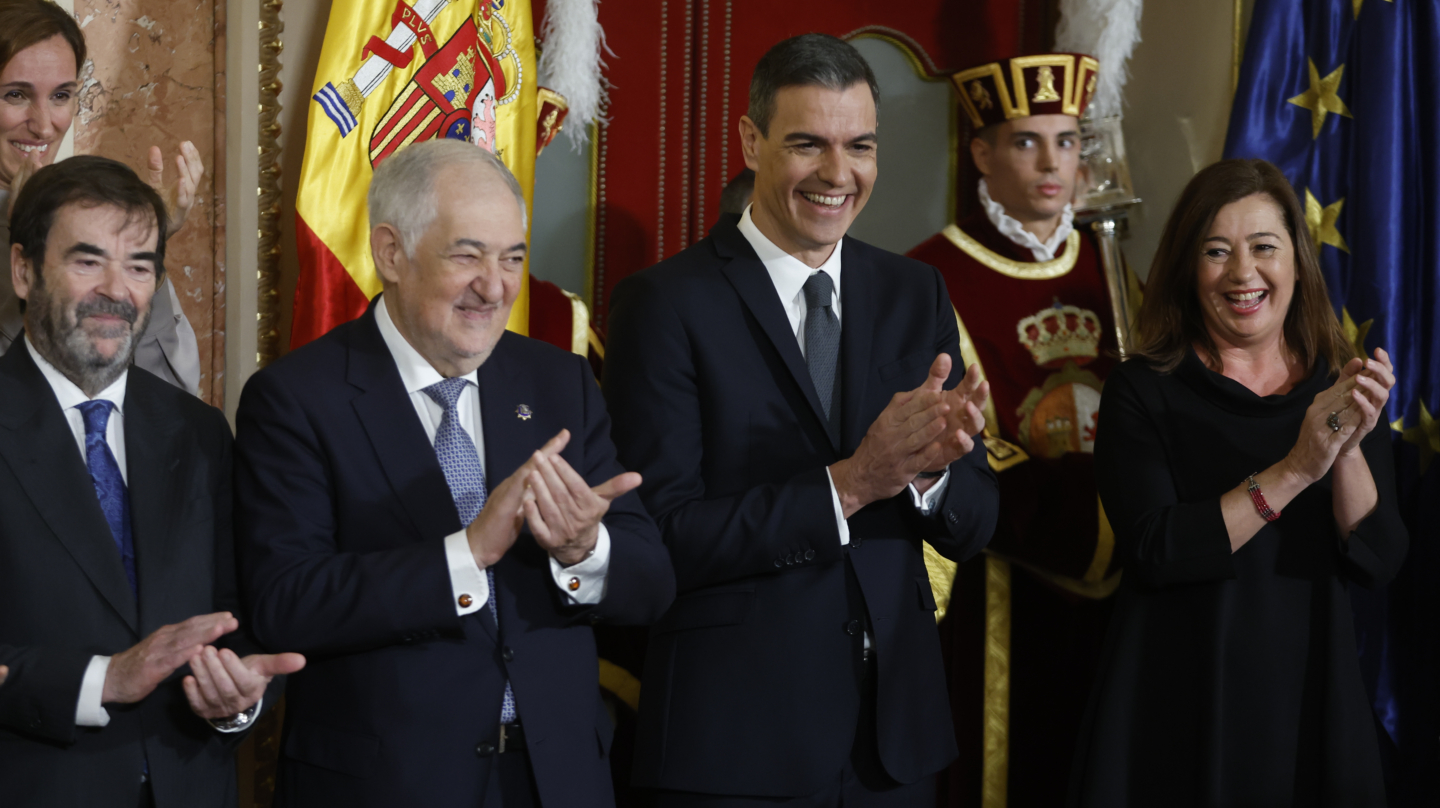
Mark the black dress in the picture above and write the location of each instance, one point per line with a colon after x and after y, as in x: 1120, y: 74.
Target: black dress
x: 1228, y: 679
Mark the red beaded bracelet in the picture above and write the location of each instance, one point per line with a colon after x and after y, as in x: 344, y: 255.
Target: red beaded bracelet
x: 1266, y: 512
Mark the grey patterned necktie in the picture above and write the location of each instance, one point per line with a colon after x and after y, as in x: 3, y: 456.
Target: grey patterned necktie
x: 466, y: 477
x: 822, y: 347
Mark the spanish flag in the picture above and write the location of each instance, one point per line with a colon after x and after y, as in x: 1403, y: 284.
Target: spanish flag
x: 392, y: 73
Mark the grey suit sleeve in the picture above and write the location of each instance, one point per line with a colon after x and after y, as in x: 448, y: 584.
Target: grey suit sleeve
x: 168, y: 347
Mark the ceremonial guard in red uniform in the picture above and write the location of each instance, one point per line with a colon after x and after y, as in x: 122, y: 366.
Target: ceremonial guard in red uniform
x: 1026, y: 622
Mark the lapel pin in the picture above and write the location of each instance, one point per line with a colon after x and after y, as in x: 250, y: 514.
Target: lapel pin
x: 523, y: 412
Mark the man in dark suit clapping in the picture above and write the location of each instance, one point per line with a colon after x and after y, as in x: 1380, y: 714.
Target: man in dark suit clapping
x: 783, y: 390
x: 431, y: 507
x: 116, y: 560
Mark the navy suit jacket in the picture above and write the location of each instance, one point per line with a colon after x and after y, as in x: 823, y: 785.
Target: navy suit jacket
x: 64, y: 596
x: 342, y: 512
x: 751, y: 682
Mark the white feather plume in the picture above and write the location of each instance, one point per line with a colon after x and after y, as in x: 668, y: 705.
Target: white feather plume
x: 1107, y: 30
x: 571, y: 64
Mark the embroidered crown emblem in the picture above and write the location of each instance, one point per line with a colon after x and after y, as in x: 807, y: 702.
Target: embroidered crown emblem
x: 1061, y: 332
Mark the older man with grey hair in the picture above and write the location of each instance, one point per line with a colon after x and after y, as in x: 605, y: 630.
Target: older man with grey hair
x: 431, y: 506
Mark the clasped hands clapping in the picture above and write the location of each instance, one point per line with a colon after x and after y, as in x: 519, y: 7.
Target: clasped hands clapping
x: 920, y: 430
x: 221, y: 683
x: 1357, y: 399
x: 563, y: 510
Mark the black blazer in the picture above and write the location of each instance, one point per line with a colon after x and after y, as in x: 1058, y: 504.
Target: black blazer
x: 64, y: 597
x: 342, y: 514
x: 751, y: 684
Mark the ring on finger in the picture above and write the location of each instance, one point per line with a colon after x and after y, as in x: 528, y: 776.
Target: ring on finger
x: 1333, y: 421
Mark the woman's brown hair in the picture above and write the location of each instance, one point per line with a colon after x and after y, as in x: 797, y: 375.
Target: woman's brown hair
x: 1170, y: 320
x: 30, y: 22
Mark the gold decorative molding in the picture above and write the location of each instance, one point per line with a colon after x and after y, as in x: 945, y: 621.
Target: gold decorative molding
x: 267, y: 313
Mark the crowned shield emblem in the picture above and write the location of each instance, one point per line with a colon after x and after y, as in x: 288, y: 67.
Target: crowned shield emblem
x: 453, y: 94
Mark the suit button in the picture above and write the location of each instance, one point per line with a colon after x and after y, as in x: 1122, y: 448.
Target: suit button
x: 951, y: 517
x: 856, y: 542
x: 779, y: 562
x: 809, y: 555
x: 485, y: 749
x: 506, y: 654
x: 852, y: 628
x: 789, y: 560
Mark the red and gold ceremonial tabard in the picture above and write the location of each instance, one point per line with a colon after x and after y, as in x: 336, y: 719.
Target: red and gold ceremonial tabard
x: 1026, y: 623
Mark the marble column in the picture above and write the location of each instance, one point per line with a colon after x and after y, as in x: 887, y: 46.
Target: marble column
x: 156, y: 77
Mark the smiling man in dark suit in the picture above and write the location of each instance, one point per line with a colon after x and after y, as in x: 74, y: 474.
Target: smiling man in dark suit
x: 116, y: 561
x: 771, y: 384
x: 431, y: 506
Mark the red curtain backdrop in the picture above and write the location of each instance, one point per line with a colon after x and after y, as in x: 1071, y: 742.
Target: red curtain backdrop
x: 681, y: 80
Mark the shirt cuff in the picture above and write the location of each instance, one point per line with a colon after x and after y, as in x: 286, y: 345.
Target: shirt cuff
x: 239, y: 722
x: 584, y: 583
x: 840, y: 524
x: 469, y: 586
x: 925, y: 503
x: 88, y: 712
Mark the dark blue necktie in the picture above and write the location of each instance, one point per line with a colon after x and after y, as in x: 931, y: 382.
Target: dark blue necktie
x: 109, y: 483
x: 822, y: 346
x: 466, y: 477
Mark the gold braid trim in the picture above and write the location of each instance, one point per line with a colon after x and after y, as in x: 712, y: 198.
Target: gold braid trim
x: 995, y: 770
x: 1104, y: 549
x: 579, y: 324
x: 941, y: 572
x: 620, y: 682
x: 1093, y: 591
x: 1023, y: 270
x: 1001, y: 454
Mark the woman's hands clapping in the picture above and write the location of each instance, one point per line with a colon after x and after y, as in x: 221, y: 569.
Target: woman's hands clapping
x: 1354, y: 404
x: 1373, y: 379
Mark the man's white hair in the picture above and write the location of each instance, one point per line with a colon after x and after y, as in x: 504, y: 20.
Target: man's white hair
x: 403, y: 193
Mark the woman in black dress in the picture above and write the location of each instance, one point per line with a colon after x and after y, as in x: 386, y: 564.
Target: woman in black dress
x: 1239, y: 463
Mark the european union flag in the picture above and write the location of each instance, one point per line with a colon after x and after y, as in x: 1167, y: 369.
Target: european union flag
x: 1344, y: 96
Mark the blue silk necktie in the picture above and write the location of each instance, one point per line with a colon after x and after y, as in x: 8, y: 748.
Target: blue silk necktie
x: 466, y: 477
x: 109, y: 483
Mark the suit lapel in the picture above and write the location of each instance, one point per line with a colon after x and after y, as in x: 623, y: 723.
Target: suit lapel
x: 752, y: 282
x: 508, y: 440
x: 152, y: 460
x: 406, y: 455
x: 38, y: 445
x: 857, y: 331
x: 508, y: 443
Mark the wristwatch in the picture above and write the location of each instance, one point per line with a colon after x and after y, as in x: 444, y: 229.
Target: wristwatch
x: 236, y: 722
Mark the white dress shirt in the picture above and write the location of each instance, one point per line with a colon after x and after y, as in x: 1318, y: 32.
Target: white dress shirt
x: 1011, y: 228
x: 88, y: 710
x: 789, y: 274
x: 466, y: 576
